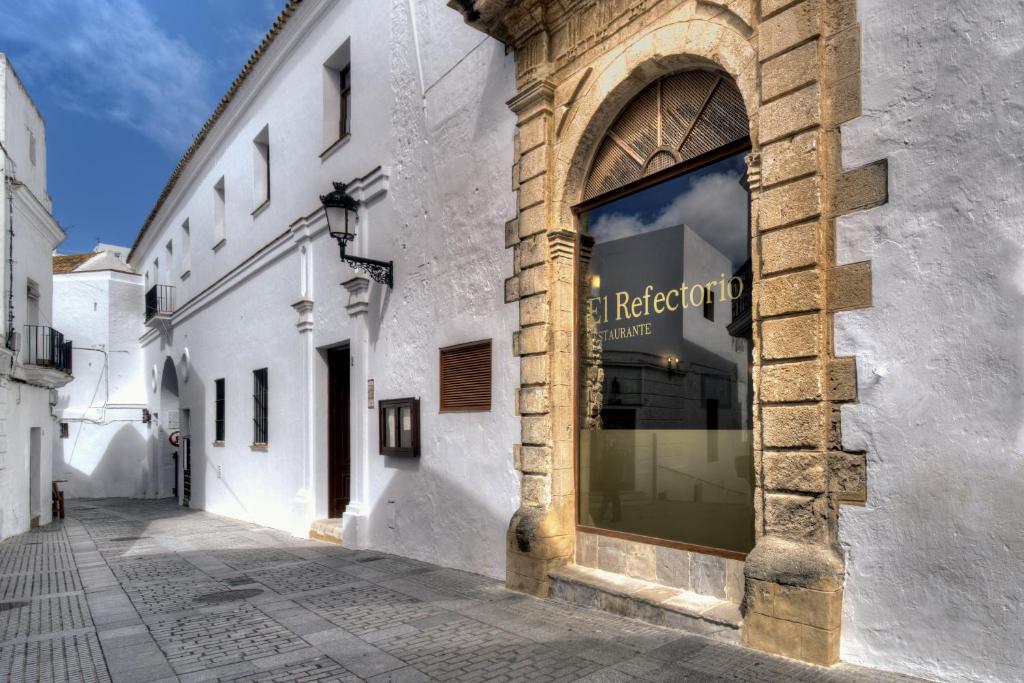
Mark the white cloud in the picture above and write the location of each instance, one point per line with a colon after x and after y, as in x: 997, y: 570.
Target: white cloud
x: 108, y: 59
x: 715, y: 207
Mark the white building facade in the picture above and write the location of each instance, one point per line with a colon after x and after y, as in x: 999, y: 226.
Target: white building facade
x: 98, y: 302
x: 264, y: 313
x: 36, y: 358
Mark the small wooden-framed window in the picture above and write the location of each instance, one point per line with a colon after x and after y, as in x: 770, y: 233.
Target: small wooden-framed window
x: 466, y: 377
x: 218, y: 419
x: 259, y: 408
x: 345, y: 102
x: 400, y: 427
x: 63, y: 430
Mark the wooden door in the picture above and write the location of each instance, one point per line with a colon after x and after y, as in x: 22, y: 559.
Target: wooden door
x: 339, y: 464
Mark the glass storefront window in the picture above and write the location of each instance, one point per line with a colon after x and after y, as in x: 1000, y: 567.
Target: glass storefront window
x: 665, y: 446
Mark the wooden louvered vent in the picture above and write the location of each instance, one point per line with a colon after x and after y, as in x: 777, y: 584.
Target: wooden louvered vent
x: 466, y: 377
x: 675, y: 119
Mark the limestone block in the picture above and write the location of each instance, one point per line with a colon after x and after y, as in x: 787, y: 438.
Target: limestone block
x: 789, y: 114
x: 790, y: 203
x: 531, y: 251
x: 533, y: 369
x: 793, y: 426
x: 611, y: 554
x: 842, y: 54
x: 586, y: 550
x: 707, y: 574
x: 531, y: 221
x: 533, y: 339
x: 789, y: 382
x: 850, y: 286
x: 534, y: 400
x: 789, y: 71
x: 788, y: 248
x: 533, y: 281
x: 536, y: 459
x: 796, y: 471
x: 842, y: 379
x: 533, y: 310
x: 788, y: 28
x: 672, y: 567
x: 640, y: 561
x: 532, y: 192
x: 789, y: 158
x: 511, y: 289
x: 533, y: 133
x: 796, y: 517
x: 536, y: 430
x: 790, y: 293
x: 821, y: 609
x: 843, y: 102
x: 533, y: 164
x: 734, y: 580
x: 536, y: 490
x: 511, y: 233
x: 790, y: 337
x: 861, y: 188
x: 848, y: 476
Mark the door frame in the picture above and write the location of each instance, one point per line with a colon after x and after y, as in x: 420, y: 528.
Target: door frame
x: 339, y: 416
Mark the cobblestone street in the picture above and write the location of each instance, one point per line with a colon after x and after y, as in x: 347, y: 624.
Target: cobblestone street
x: 147, y: 591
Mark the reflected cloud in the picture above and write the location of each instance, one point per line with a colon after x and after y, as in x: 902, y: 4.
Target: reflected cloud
x: 712, y: 206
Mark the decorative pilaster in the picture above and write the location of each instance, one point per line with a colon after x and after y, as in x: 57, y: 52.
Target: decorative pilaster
x: 353, y: 529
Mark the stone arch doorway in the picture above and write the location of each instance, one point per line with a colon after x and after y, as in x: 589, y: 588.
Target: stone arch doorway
x: 167, y: 455
x: 665, y: 441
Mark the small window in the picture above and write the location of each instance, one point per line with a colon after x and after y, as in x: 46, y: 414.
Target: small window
x: 400, y: 427
x: 219, y: 230
x: 259, y: 408
x: 169, y: 257
x: 63, y: 430
x: 218, y: 411
x: 709, y: 304
x: 466, y: 377
x: 186, y: 254
x: 32, y: 147
x: 337, y: 97
x: 261, y: 168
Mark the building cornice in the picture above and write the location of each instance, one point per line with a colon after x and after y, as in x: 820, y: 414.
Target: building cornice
x: 40, y: 217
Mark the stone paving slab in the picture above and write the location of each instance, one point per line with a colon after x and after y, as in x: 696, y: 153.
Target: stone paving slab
x: 147, y: 592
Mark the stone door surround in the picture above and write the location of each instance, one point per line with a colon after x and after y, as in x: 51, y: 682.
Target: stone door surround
x: 797, y: 66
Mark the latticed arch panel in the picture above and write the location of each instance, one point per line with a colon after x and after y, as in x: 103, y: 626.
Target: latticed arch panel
x: 676, y: 118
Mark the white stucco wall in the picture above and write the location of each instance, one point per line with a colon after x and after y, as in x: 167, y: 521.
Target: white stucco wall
x: 428, y: 112
x: 104, y: 454
x: 934, y: 557
x: 25, y: 407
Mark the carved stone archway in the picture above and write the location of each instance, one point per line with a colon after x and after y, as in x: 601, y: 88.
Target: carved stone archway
x: 796, y: 65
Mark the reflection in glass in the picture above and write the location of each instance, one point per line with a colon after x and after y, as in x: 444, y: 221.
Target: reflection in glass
x: 406, y: 431
x: 665, y: 443
x: 391, y: 422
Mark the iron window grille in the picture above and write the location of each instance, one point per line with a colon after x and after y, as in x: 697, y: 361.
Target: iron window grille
x: 218, y: 420
x: 159, y: 301
x: 259, y: 397
x: 46, y: 347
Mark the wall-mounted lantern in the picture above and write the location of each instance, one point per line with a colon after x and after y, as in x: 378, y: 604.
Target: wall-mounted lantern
x: 341, y: 210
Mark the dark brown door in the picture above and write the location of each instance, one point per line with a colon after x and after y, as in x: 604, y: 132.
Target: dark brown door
x: 339, y: 464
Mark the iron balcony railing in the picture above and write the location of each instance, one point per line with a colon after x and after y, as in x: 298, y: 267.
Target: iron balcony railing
x: 159, y: 301
x: 46, y: 347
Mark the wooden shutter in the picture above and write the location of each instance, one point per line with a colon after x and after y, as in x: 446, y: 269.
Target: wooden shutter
x: 466, y: 377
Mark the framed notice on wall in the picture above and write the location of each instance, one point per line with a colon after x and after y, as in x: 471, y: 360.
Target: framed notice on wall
x: 400, y: 427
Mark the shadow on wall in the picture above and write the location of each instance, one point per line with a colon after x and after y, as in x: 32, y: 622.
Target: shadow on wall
x: 121, y: 471
x: 429, y: 512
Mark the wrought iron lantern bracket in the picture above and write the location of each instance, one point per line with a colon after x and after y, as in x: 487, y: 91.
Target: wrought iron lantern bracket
x: 380, y: 271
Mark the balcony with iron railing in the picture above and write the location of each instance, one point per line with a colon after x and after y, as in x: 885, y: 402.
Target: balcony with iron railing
x: 159, y: 302
x: 45, y: 356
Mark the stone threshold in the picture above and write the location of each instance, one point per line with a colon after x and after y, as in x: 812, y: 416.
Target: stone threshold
x: 326, y: 530
x: 647, y: 601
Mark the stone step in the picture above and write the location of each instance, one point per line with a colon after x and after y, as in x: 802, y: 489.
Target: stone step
x: 326, y: 530
x: 647, y: 601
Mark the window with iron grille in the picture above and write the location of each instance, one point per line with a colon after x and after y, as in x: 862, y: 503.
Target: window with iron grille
x: 709, y: 304
x: 63, y: 430
x: 259, y: 407
x: 466, y: 377
x: 218, y: 404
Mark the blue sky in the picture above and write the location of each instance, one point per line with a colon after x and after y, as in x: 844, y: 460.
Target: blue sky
x: 124, y: 85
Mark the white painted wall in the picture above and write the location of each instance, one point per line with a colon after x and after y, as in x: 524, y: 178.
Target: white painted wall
x: 104, y: 454
x: 25, y: 406
x: 429, y: 114
x: 934, y: 557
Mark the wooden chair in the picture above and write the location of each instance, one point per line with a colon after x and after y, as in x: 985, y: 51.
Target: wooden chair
x: 58, y: 498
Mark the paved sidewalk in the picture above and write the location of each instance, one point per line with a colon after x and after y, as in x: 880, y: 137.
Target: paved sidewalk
x: 141, y: 591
